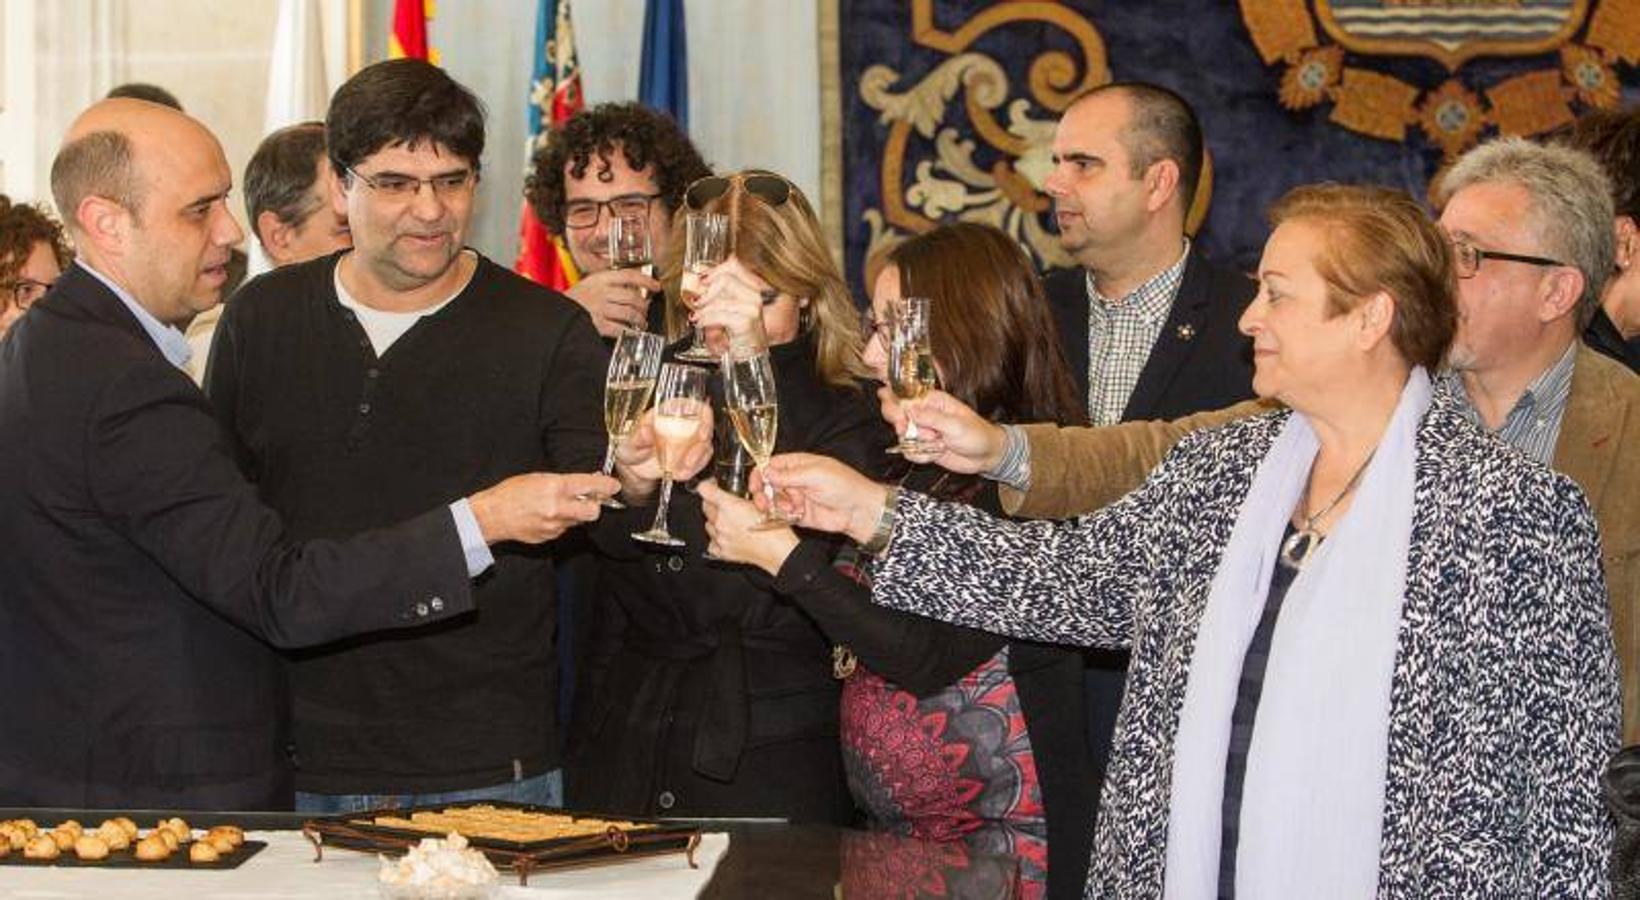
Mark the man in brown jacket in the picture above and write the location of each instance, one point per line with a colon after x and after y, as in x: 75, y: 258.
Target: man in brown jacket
x: 1528, y: 225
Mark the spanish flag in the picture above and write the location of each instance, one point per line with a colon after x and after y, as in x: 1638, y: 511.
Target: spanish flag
x: 409, y: 37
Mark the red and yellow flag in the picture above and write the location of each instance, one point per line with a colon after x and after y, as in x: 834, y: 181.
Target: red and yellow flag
x: 409, y: 37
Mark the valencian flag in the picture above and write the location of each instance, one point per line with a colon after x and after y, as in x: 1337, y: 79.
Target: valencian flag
x: 555, y: 95
x: 409, y: 37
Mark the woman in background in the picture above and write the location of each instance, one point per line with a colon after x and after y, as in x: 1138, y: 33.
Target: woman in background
x: 949, y: 732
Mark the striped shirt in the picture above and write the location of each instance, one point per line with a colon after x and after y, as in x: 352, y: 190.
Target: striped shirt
x: 1121, y: 333
x: 1533, y: 424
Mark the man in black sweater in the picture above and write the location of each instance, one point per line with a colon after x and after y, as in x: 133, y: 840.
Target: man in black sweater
x: 360, y: 384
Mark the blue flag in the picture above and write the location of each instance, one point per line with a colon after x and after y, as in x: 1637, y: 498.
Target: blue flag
x: 663, y: 79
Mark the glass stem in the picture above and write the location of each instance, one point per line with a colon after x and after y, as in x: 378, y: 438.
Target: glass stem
x: 771, y: 514
x: 664, y: 504
x: 609, y: 455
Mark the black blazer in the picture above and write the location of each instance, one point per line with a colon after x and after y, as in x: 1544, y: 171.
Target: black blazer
x: 1199, y: 362
x: 141, y: 581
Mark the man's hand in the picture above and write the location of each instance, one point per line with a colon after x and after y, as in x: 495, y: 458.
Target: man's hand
x: 638, y: 466
x: 539, y: 506
x: 616, y: 299
x: 823, y: 494
x: 970, y: 443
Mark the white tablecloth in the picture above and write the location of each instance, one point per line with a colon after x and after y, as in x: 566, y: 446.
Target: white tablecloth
x: 285, y: 870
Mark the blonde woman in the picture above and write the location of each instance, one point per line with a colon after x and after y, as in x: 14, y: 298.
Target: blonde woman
x: 706, y: 693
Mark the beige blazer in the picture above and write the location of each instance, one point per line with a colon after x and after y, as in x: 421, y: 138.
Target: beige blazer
x: 1078, y: 470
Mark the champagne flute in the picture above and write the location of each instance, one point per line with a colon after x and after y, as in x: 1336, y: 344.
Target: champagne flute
x: 754, y: 409
x: 628, y: 384
x: 706, y: 244
x: 731, y: 464
x: 679, y: 398
x: 629, y: 246
x: 911, y: 372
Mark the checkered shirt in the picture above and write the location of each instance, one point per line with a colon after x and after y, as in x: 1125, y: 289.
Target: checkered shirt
x: 1121, y: 334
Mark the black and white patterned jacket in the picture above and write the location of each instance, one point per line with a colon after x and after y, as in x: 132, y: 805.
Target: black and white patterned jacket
x: 1504, y: 705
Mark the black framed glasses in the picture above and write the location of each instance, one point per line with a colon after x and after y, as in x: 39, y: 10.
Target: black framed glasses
x: 1469, y: 258
x: 397, y: 186
x: 585, y: 213
x: 22, y: 292
x: 771, y: 189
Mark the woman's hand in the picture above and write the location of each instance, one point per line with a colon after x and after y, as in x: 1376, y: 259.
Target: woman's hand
x: 729, y: 522
x: 732, y: 301
x: 969, y: 444
x: 638, y: 466
x: 823, y: 494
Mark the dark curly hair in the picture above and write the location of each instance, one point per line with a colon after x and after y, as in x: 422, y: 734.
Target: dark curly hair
x: 644, y: 136
x: 23, y: 225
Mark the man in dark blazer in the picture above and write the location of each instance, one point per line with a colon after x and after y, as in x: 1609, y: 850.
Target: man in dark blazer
x: 142, y: 581
x: 1147, y: 323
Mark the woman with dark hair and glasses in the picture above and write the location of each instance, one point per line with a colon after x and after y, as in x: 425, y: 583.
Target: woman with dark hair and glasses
x: 1005, y: 765
x: 33, y: 253
x: 704, y: 692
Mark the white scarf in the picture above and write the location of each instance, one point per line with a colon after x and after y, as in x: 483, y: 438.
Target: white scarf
x: 1313, y: 799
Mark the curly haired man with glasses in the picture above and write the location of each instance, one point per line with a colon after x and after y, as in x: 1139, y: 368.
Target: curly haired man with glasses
x: 614, y: 160
x: 33, y: 252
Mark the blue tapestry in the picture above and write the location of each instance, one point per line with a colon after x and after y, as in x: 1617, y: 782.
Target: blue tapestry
x: 948, y: 108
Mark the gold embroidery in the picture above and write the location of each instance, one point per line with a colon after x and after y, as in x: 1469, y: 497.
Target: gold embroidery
x: 1452, y: 31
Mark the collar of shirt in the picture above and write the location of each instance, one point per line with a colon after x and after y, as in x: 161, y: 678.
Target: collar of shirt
x: 1536, y: 415
x: 168, y: 338
x: 1151, y: 300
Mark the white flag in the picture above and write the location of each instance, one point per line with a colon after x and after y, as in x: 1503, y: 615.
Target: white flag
x: 298, y: 84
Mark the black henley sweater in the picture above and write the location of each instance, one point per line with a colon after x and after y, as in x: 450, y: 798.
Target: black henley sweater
x: 506, y: 378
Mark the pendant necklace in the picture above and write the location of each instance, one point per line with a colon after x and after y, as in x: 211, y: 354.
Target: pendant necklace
x: 1296, y: 550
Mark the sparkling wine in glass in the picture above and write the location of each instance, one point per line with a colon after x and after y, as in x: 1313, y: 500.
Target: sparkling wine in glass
x: 629, y: 246
x: 680, y: 396
x: 911, y: 372
x: 754, y: 410
x: 628, y: 385
x: 706, y: 244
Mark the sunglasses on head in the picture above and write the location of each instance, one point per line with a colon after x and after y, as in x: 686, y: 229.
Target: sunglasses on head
x: 771, y: 189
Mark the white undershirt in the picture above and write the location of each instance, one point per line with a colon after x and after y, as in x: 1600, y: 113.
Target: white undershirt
x: 382, y: 327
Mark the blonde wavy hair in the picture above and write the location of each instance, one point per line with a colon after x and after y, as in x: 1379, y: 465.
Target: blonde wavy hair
x: 784, y: 245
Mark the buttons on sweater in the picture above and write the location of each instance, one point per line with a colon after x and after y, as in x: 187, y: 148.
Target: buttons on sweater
x: 666, y: 800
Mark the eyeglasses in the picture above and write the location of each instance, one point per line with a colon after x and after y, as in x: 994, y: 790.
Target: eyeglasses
x: 1469, y: 258
x: 22, y: 292
x: 771, y: 189
x: 585, y: 213
x: 394, y: 186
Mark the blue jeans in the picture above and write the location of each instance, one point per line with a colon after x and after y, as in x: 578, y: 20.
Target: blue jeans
x: 546, y: 789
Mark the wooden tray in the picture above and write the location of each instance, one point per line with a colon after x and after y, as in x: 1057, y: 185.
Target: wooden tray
x: 359, y: 831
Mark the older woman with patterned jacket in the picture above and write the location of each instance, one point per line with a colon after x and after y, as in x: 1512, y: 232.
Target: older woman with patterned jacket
x: 1371, y: 650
